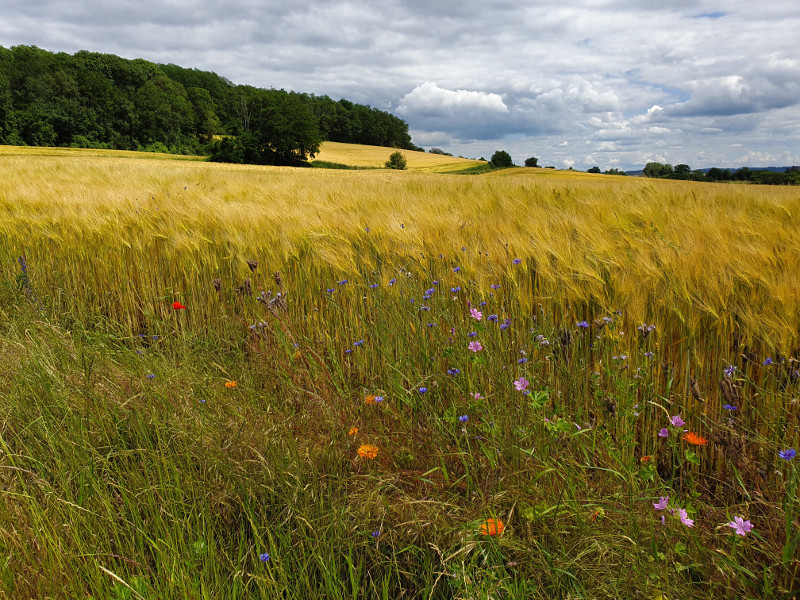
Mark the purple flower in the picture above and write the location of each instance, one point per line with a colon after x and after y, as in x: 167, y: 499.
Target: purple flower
x: 472, y: 334
x: 342, y: 282
x: 430, y: 292
x: 463, y: 418
x: 392, y: 281
x: 522, y: 361
x: 517, y: 261
x: 348, y: 351
x: 677, y: 421
x: 476, y: 395
x: 151, y: 376
x: 663, y: 433
x: 492, y: 318
x: 682, y: 515
x: 358, y: 343
x: 787, y: 454
x: 583, y: 324
x: 662, y: 503
x: 264, y: 557
x: 475, y: 346
x: 378, y: 399
x: 329, y: 290
x: 431, y: 324
x: 728, y: 407
x: 521, y: 384
x: 767, y: 362
x: 648, y: 354
x: 376, y: 534
x: 422, y: 390
x: 456, y: 289
x: 475, y: 314
x: 729, y: 371
x: 456, y: 269
x: 374, y: 285
x: 424, y: 307
x: 740, y: 526
x: 495, y: 286
x: 453, y: 371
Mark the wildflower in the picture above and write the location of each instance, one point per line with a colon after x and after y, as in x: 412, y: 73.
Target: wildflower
x: 740, y: 526
x: 370, y: 399
x: 517, y: 261
x: 492, y: 527
x: 476, y: 395
x: 694, y: 439
x: 504, y: 325
x: 177, y: 306
x: 264, y: 557
x: 677, y: 421
x: 151, y: 376
x: 348, y: 351
x: 684, y: 517
x: 787, y: 454
x: 367, y: 451
x: 582, y: 324
x: 646, y: 459
x: 453, y: 371
x: 430, y: 292
x: 522, y: 361
x: 456, y: 289
x: 728, y: 407
x: 472, y: 334
x: 662, y: 503
x: 358, y: 343
x: 329, y: 290
x: 521, y: 384
x: 392, y: 281
x: 423, y: 307
x: 353, y: 431
x: 456, y: 269
x: 494, y: 286
x: 230, y: 384
x: 475, y: 314
x: 422, y: 390
x: 463, y: 418
x: 376, y: 533
x: 378, y: 399
x: 432, y: 324
x: 481, y: 303
x: 729, y: 371
x: 648, y: 354
x: 374, y: 285
x: 342, y: 282
x: 492, y: 318
x: 664, y: 433
x: 767, y: 362
x: 475, y: 346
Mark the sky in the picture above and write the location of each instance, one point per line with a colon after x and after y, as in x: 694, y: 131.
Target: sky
x: 608, y: 83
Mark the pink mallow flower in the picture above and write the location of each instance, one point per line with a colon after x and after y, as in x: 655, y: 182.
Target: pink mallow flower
x: 677, y: 421
x: 740, y: 526
x: 476, y: 395
x: 475, y: 314
x: 521, y: 384
x: 475, y: 346
x: 684, y: 517
x: 662, y: 503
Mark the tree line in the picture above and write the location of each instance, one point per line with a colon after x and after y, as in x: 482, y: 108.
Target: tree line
x: 791, y: 176
x: 95, y: 100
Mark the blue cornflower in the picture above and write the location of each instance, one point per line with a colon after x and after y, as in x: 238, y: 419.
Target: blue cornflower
x: 729, y: 371
x: 431, y: 324
x: 435, y: 282
x: 453, y: 371
x: 472, y: 333
x: 348, y: 351
x: 430, y: 292
x: 495, y: 286
x: 583, y: 324
x: 366, y: 229
x: 648, y: 354
x: 456, y: 269
x: 728, y: 407
x: 522, y: 361
x: 455, y: 290
x: 151, y: 376
x: 463, y: 418
x: 374, y: 285
x: 392, y: 281
x: 503, y: 326
x: 342, y: 282
x: 422, y: 390
x: 264, y: 557
x: 788, y: 454
x: 424, y: 307
x: 492, y: 318
x: 517, y: 261
x: 482, y: 304
x: 358, y: 343
x: 767, y: 362
x: 329, y: 290
x: 376, y: 534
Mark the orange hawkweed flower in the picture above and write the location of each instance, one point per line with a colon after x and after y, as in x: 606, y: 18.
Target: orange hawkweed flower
x: 492, y: 527
x: 645, y: 459
x: 370, y: 399
x: 367, y: 451
x: 353, y: 431
x: 230, y: 384
x: 694, y: 439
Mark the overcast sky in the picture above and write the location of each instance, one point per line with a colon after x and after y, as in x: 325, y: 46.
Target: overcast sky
x: 612, y: 83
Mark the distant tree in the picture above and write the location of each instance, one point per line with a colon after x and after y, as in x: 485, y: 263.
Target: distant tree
x: 594, y: 169
x: 682, y: 169
x: 532, y: 162
x: 439, y: 151
x: 716, y: 174
x: 501, y: 160
x: 396, y: 161
x: 614, y: 172
x: 656, y: 169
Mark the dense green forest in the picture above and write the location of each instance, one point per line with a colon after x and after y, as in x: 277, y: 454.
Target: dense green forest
x: 94, y: 100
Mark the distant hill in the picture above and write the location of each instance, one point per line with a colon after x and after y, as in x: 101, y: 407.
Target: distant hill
x: 706, y: 170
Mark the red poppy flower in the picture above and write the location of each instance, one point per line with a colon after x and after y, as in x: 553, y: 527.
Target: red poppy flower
x: 177, y: 305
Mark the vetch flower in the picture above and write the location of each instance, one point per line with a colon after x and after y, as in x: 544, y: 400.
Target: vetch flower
x: 740, y: 526
x: 475, y: 314
x: 787, y: 454
x: 492, y: 527
x: 662, y: 503
x: 475, y: 346
x: 677, y: 421
x: 521, y: 384
x: 367, y: 451
x: 683, y: 516
x: 494, y: 286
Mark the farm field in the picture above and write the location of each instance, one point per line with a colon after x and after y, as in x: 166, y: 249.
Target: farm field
x: 522, y: 384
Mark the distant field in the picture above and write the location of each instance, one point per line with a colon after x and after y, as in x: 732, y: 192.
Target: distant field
x: 523, y: 384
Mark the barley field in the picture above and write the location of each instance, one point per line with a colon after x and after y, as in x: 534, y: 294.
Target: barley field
x: 225, y: 381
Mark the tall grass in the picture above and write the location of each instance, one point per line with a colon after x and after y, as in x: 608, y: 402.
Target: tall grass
x: 130, y: 469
